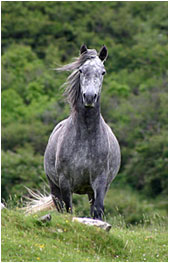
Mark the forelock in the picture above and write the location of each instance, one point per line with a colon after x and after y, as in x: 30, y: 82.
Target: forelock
x: 94, y: 62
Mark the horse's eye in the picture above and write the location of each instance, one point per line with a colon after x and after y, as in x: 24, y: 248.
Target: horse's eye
x: 103, y: 72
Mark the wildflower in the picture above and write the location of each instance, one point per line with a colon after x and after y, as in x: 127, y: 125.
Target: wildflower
x: 148, y: 237
x: 42, y: 246
x: 59, y: 230
x: 38, y: 258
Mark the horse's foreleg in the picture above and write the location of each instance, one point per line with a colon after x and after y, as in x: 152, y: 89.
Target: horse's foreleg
x: 66, y: 193
x: 99, y: 201
x: 98, y: 207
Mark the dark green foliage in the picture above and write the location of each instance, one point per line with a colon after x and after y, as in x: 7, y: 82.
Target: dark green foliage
x: 21, y: 168
x: 39, y: 36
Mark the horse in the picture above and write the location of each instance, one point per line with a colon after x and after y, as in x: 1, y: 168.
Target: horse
x: 83, y: 155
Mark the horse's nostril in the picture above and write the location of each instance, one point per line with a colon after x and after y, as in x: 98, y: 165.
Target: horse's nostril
x: 89, y: 97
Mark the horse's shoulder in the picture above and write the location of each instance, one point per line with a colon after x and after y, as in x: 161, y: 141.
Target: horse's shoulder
x: 106, y: 127
x: 111, y: 137
x: 58, y: 127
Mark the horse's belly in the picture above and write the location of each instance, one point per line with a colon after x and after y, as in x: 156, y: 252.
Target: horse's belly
x: 81, y: 174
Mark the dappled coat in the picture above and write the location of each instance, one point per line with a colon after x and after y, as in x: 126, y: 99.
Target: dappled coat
x: 83, y: 155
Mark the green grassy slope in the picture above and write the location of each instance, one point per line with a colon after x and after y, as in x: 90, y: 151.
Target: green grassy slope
x: 24, y: 239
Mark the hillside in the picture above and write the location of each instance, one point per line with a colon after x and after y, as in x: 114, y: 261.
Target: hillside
x: 139, y: 232
x: 24, y: 239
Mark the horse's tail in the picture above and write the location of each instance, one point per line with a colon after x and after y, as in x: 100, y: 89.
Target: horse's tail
x: 37, y: 202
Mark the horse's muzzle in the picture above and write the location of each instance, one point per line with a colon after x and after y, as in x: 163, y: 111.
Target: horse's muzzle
x: 89, y: 99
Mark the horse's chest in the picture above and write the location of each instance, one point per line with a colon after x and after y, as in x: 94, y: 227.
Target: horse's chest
x: 83, y: 157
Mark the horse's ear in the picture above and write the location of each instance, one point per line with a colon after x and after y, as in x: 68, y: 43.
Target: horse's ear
x: 83, y: 49
x: 103, y: 53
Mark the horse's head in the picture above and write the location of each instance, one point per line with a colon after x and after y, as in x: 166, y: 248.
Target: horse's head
x: 91, y: 76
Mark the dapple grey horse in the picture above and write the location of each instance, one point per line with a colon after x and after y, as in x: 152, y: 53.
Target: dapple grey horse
x: 83, y: 154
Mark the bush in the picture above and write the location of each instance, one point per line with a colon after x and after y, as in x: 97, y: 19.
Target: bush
x: 16, y: 135
x: 20, y: 169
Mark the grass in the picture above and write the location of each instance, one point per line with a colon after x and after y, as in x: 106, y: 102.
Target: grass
x: 124, y: 207
x: 24, y: 239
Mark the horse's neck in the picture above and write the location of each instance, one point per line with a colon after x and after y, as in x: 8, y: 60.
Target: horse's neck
x: 87, y: 119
